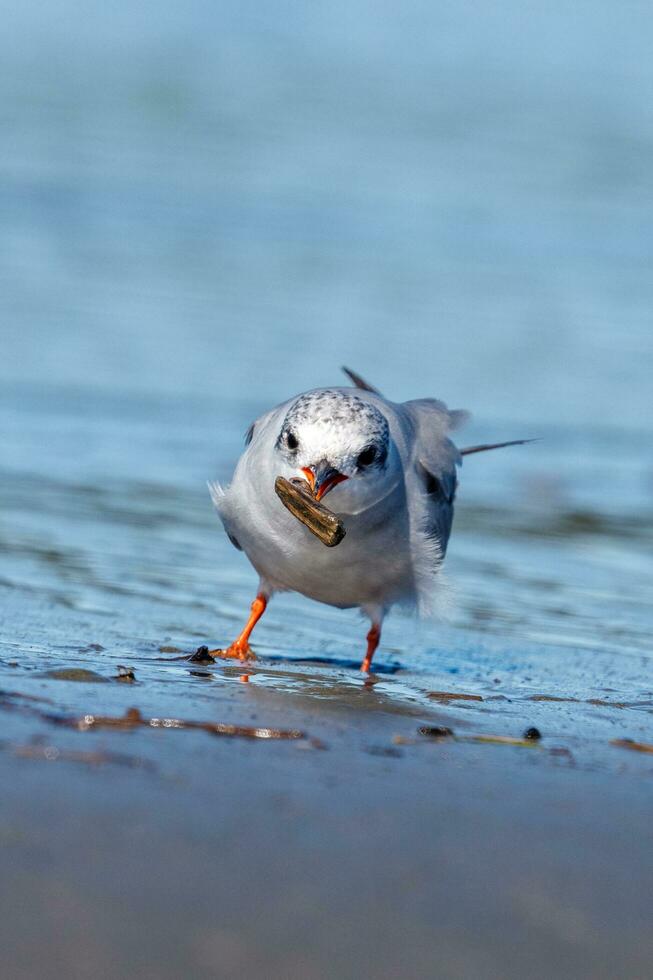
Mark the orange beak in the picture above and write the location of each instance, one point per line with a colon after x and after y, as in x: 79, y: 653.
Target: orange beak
x: 322, y: 478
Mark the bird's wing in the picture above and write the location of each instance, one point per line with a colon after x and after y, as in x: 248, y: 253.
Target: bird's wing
x: 431, y: 462
x: 221, y: 496
x: 359, y: 382
x: 258, y: 425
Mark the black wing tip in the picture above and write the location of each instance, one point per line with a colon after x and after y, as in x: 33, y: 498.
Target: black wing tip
x: 485, y: 447
x: 359, y: 382
x: 249, y: 434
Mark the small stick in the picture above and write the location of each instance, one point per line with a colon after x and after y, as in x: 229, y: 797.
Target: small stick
x: 134, y: 719
x: 297, y: 497
x: 629, y: 743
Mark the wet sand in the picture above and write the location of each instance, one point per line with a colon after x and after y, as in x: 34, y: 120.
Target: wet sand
x: 362, y: 849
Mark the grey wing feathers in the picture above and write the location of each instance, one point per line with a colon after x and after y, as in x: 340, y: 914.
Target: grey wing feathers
x: 359, y: 382
x: 257, y: 426
x: 434, y: 461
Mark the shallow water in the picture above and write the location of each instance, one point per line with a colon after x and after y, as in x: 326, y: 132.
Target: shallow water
x: 111, y: 551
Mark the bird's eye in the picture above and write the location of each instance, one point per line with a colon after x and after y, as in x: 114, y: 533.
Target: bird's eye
x: 367, y: 457
x: 292, y: 441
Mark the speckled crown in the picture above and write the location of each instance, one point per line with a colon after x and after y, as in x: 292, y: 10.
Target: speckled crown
x: 330, y: 408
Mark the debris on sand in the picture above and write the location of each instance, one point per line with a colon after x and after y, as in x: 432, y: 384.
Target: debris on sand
x: 629, y: 743
x: 201, y: 656
x: 441, y: 732
x: 500, y: 740
x: 435, y: 731
x: 551, y: 697
x: 602, y: 703
x: 75, y: 674
x: 534, y: 734
x: 134, y: 719
x: 445, y: 696
x: 595, y: 702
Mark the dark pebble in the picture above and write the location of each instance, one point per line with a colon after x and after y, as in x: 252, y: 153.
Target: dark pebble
x: 435, y: 731
x: 533, y: 734
x: 201, y: 656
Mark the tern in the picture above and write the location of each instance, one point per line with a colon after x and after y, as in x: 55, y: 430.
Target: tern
x: 390, y: 472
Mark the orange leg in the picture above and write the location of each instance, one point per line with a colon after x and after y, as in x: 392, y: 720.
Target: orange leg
x: 240, y: 648
x: 373, y: 640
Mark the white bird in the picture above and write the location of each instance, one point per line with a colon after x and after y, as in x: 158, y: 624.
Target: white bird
x: 391, y: 474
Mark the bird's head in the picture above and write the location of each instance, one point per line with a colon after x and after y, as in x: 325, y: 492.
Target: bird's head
x: 334, y: 438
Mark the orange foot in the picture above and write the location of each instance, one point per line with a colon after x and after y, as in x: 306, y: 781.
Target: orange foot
x: 237, y: 651
x: 240, y: 648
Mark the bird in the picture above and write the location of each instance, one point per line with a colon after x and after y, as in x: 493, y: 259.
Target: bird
x: 390, y: 473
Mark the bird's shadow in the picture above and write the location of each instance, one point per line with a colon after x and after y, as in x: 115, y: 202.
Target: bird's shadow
x: 334, y: 662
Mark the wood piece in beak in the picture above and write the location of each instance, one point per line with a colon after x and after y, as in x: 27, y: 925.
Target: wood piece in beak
x: 301, y: 503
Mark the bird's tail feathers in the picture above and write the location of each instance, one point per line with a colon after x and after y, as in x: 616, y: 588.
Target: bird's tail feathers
x: 468, y: 450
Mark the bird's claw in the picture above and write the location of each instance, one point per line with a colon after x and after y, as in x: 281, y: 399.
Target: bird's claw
x: 237, y: 651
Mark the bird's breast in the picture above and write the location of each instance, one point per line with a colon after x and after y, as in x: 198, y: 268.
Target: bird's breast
x: 372, y: 564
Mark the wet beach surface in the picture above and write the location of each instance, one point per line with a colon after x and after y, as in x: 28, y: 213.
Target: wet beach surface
x: 206, y: 210
x: 368, y: 845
